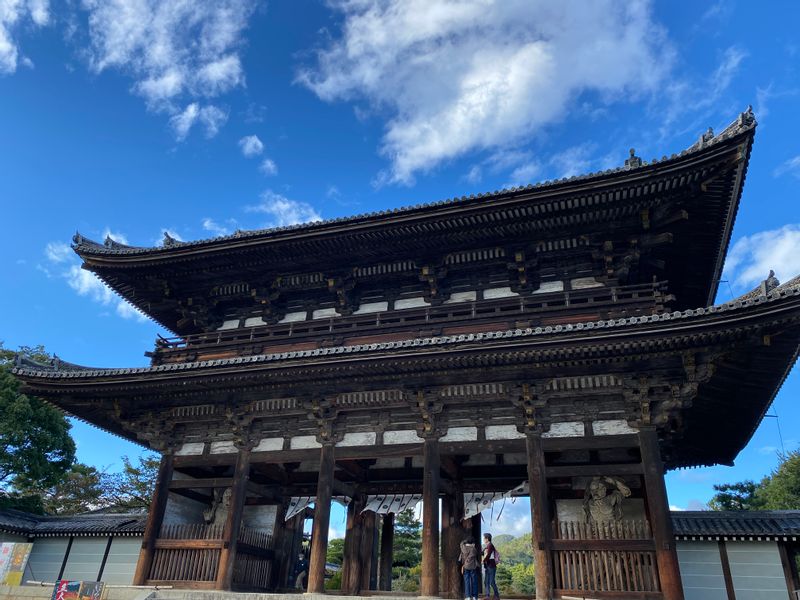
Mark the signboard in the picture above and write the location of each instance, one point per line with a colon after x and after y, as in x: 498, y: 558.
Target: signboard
x: 77, y: 590
x: 13, y: 559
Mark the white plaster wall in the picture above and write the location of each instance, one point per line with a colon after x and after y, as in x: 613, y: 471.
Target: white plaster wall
x: 365, y: 438
x: 565, y: 429
x: 233, y: 324
x: 612, y: 427
x: 84, y: 559
x: 300, y: 442
x: 254, y: 322
x: 410, y: 303
x: 402, y: 436
x: 462, y: 297
x: 371, y: 307
x: 584, y: 283
x: 460, y: 434
x: 225, y: 447
x: 294, y: 317
x: 191, y: 448
x: 269, y: 445
x: 260, y: 517
x: 122, y: 558
x: 10, y: 537
x: 390, y: 463
x: 499, y: 292
x: 548, y: 287
x: 182, y: 510
x: 756, y: 571
x: 701, y: 570
x: 45, y: 560
x: 503, y: 432
x: 324, y: 313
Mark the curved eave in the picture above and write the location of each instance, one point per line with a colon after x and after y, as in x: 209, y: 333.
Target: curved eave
x: 97, y: 255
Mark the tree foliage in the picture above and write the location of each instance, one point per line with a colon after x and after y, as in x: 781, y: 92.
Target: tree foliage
x: 133, y: 487
x: 335, y: 551
x: 407, y: 546
x: 79, y: 490
x: 780, y: 490
x: 35, y: 443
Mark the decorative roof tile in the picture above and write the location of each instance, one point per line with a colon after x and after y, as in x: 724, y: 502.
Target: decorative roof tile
x: 726, y: 524
x: 88, y: 524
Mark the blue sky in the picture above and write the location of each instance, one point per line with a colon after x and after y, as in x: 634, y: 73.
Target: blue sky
x: 135, y: 117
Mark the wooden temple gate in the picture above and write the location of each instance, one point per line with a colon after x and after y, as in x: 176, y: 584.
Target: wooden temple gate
x: 562, y: 335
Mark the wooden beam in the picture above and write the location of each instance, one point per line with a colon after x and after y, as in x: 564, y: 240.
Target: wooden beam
x: 201, y: 483
x: 322, y: 517
x: 660, y: 520
x: 726, y: 570
x: 540, y: 516
x: 593, y: 470
x: 233, y: 522
x: 154, y: 519
x: 429, y: 579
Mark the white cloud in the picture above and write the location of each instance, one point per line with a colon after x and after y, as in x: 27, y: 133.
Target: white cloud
x: 170, y: 47
x: 251, y: 146
x: 474, y: 175
x: 333, y: 192
x: 749, y: 261
x: 14, y: 14
x: 268, y: 167
x: 791, y: 166
x: 283, y: 211
x: 58, y: 252
x: 483, y: 74
x: 177, y: 52
x: 214, y: 227
x: 210, y: 116
x: 64, y: 263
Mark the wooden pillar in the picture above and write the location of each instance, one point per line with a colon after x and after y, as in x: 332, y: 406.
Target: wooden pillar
x: 387, y: 554
x: 476, y: 524
x: 322, y: 517
x: 351, y: 561
x: 233, y: 521
x: 282, y: 541
x: 154, y: 519
x: 429, y: 581
x: 365, y: 551
x: 452, y: 536
x: 373, y: 572
x: 540, y: 516
x: 661, y: 523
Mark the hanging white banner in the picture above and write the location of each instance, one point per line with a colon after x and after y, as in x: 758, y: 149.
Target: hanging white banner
x: 297, y: 505
x: 391, y: 503
x: 477, y: 502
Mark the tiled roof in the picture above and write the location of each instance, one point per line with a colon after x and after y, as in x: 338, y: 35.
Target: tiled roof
x: 89, y: 524
x: 736, y: 524
x: 58, y: 370
x: 744, y: 122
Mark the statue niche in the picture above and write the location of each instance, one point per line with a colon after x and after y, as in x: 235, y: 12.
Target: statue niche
x: 602, y: 501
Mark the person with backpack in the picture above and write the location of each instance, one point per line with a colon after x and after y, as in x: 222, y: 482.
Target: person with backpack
x: 491, y: 557
x: 469, y: 568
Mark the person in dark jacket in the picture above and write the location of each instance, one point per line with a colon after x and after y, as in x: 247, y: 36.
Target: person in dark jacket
x: 489, y: 566
x: 301, y: 572
x: 469, y: 568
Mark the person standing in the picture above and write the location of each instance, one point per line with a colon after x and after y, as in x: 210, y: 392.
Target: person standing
x: 469, y: 568
x: 301, y: 572
x: 490, y: 566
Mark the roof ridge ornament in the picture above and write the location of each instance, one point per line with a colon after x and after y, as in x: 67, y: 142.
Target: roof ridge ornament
x: 770, y: 283
x: 633, y: 161
x: 169, y: 240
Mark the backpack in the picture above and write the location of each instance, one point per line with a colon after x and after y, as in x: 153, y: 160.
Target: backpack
x: 496, y: 555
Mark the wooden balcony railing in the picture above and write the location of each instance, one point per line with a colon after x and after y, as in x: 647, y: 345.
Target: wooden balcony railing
x: 532, y: 310
x: 614, y: 557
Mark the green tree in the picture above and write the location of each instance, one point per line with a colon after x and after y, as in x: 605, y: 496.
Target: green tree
x: 335, y: 552
x: 524, y: 579
x: 407, y: 540
x: 81, y: 489
x: 505, y: 579
x: 781, y: 489
x: 35, y: 442
x: 734, y: 496
x: 513, y: 550
x: 133, y: 487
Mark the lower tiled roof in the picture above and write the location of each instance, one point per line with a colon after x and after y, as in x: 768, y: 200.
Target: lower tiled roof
x: 764, y: 524
x: 88, y: 524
